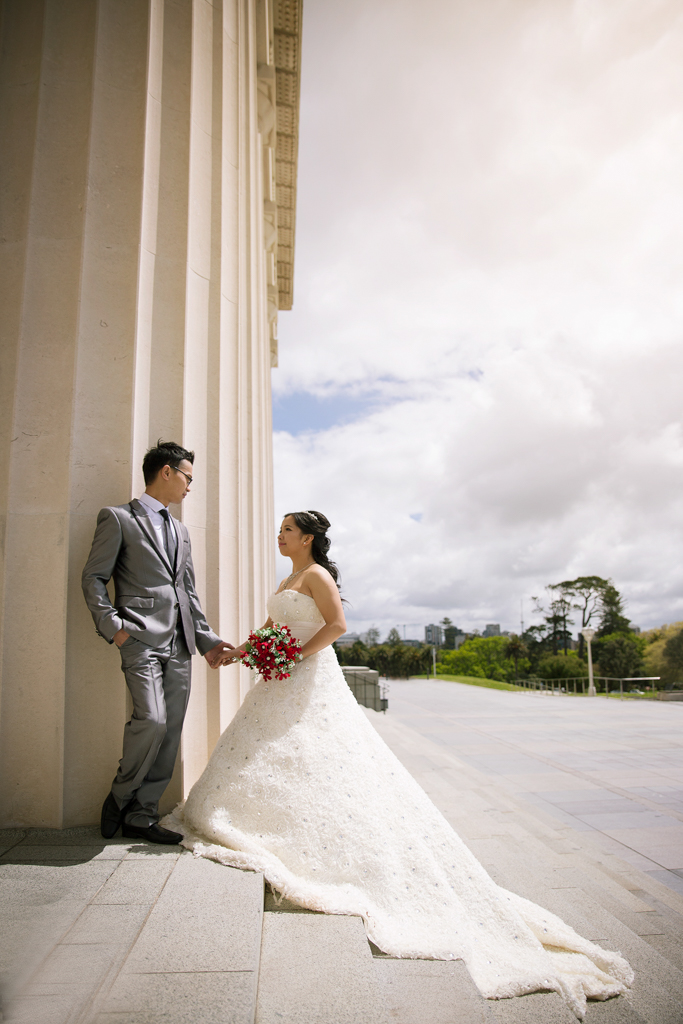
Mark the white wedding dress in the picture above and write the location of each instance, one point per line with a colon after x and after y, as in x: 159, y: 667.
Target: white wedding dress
x: 302, y: 788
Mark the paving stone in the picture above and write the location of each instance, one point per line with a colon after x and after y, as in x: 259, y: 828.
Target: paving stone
x: 138, y: 881
x: 662, y: 845
x: 560, y: 814
x: 634, y: 818
x: 669, y: 946
x: 317, y: 969
x: 437, y: 991
x: 272, y: 904
x: 42, y: 885
x: 11, y: 836
x: 27, y: 938
x: 115, y: 924
x: 76, y: 854
x: 536, y: 1008
x: 88, y: 836
x: 196, y: 998
x: 657, y: 993
x: 38, y: 906
x: 145, y: 851
x: 208, y: 918
x: 55, y: 1008
x: 81, y: 966
x: 636, y: 860
x: 669, y: 878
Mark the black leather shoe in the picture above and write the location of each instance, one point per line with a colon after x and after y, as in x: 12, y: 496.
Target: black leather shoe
x: 153, y: 834
x: 112, y: 816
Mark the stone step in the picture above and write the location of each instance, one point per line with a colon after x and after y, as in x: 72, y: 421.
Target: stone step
x: 197, y: 955
x: 112, y: 931
x: 429, y: 992
x: 316, y: 969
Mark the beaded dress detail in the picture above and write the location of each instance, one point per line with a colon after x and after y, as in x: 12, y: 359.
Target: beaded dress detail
x: 301, y: 787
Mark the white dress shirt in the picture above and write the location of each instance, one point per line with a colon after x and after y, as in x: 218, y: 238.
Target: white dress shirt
x: 154, y: 508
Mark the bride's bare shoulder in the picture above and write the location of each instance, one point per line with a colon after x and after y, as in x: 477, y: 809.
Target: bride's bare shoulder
x: 318, y: 575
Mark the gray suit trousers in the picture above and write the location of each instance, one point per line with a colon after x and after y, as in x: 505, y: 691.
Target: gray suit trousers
x: 159, y: 682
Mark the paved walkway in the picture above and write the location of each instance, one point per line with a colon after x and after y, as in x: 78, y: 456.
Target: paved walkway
x: 575, y: 803
x: 612, y: 768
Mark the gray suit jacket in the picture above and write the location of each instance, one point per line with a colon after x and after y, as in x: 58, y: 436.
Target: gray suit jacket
x: 149, y: 595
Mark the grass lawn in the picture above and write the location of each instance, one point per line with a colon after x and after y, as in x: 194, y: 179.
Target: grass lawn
x: 492, y: 684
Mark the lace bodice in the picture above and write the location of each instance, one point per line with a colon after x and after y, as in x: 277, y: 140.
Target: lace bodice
x: 296, y: 610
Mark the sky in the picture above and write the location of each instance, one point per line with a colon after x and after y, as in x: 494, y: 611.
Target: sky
x: 480, y: 378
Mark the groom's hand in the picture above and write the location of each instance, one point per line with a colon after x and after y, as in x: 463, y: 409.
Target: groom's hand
x: 216, y: 654
x: 120, y: 637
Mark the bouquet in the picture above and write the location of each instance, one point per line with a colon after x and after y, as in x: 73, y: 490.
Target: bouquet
x: 272, y: 650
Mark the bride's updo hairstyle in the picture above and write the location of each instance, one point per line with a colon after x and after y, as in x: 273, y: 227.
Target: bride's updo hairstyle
x: 317, y: 524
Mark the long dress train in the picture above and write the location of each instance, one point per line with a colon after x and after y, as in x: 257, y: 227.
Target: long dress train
x: 302, y: 788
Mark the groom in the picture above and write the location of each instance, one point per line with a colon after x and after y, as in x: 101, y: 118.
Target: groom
x: 157, y: 623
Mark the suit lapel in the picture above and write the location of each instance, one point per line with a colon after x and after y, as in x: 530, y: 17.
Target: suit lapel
x: 182, y: 551
x: 142, y: 519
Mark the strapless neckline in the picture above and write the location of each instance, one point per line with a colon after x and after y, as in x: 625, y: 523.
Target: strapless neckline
x: 290, y: 590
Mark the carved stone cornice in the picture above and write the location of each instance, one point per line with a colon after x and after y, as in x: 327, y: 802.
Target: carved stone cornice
x: 287, y: 17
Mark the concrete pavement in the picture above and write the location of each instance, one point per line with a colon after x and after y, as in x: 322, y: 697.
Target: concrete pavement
x: 575, y: 803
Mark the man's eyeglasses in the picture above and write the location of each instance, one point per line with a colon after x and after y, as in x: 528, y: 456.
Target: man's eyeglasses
x: 188, y: 478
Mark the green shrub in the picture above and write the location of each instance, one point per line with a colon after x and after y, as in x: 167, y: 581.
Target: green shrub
x: 561, y: 666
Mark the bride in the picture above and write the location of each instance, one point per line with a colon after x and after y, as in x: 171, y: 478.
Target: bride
x: 301, y: 787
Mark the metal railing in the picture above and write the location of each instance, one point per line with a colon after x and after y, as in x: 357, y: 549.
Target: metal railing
x: 578, y: 685
x: 365, y: 686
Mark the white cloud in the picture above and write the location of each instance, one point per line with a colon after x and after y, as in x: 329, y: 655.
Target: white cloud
x: 488, y: 237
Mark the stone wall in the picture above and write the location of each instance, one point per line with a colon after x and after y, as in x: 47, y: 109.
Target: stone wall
x: 137, y: 264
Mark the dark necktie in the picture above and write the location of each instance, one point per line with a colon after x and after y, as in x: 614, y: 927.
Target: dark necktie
x: 169, y: 536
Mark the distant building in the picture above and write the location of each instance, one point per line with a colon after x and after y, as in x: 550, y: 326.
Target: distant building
x: 453, y: 636
x: 492, y: 629
x: 433, y: 635
x: 348, y: 639
x: 412, y: 643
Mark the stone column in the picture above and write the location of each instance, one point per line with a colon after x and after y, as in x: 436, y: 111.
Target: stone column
x: 134, y: 306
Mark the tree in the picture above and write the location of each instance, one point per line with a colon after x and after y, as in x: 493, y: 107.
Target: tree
x: 612, y: 618
x: 355, y: 654
x: 586, y: 593
x: 379, y: 658
x: 516, y: 649
x: 654, y: 661
x: 372, y: 637
x: 618, y: 656
x: 449, y: 633
x: 562, y: 666
x: 560, y: 607
x: 463, y: 662
x: 399, y: 660
x: 394, y: 637
x: 673, y: 653
x: 556, y: 619
x: 482, y: 657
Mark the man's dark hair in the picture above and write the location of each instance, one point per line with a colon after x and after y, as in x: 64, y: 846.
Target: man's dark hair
x: 166, y: 453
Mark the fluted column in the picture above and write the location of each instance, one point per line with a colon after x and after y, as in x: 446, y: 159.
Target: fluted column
x: 134, y: 306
